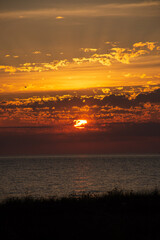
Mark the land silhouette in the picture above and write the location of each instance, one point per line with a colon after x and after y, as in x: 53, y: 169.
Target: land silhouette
x: 115, y: 215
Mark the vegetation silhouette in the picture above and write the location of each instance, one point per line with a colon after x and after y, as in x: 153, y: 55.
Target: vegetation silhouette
x: 114, y: 215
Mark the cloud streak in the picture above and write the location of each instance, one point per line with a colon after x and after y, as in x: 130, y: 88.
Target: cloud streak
x: 95, y: 10
x: 35, y: 67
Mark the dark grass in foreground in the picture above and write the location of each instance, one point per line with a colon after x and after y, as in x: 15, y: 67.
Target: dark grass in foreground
x: 116, y: 215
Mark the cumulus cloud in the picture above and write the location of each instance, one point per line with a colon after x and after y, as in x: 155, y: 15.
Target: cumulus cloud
x: 35, y: 67
x: 122, y: 55
x: 107, y: 97
x: 104, y: 110
x: 8, y: 69
x: 125, y: 55
x: 149, y: 45
x: 104, y: 60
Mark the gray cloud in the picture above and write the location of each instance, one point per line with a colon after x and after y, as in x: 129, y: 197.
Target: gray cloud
x: 84, y: 10
x: 9, y: 5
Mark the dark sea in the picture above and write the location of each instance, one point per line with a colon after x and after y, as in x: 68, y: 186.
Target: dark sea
x: 47, y: 176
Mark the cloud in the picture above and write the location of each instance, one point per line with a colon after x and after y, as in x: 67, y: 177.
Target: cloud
x: 125, y: 55
x: 59, y: 17
x: 102, y: 59
x: 111, y: 115
x: 35, y: 67
x: 143, y: 76
x: 96, y: 9
x: 87, y: 50
x: 153, y: 97
x: 121, y: 55
x: 113, y: 44
x: 106, y: 97
x: 36, y: 52
x: 8, y: 69
x: 150, y: 45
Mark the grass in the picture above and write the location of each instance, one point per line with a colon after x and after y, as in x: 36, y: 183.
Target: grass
x: 115, y: 215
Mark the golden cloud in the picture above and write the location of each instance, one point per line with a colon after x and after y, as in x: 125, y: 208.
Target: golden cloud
x: 125, y: 55
x: 59, y: 17
x: 98, y: 59
x: 149, y: 45
x: 9, y: 69
x: 35, y: 67
x: 122, y: 55
x: 86, y: 50
x: 142, y: 75
x: 36, y: 52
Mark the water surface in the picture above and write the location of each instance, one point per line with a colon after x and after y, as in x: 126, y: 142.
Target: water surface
x: 45, y: 176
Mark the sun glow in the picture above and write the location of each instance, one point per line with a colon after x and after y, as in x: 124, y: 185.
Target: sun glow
x: 80, y: 123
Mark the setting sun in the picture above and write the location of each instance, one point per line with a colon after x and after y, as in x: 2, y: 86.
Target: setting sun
x: 80, y: 123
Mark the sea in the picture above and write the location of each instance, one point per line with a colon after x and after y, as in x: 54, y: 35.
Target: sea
x: 62, y: 176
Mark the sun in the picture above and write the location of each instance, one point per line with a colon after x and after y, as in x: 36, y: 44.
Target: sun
x: 80, y: 123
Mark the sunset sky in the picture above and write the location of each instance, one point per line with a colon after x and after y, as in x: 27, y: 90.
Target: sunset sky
x: 62, y: 61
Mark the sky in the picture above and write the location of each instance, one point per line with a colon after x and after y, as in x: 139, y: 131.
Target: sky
x: 92, y: 60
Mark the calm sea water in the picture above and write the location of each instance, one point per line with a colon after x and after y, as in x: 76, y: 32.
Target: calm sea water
x: 64, y: 175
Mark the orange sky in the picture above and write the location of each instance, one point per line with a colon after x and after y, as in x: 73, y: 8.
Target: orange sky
x: 112, y: 66
x: 61, y: 62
